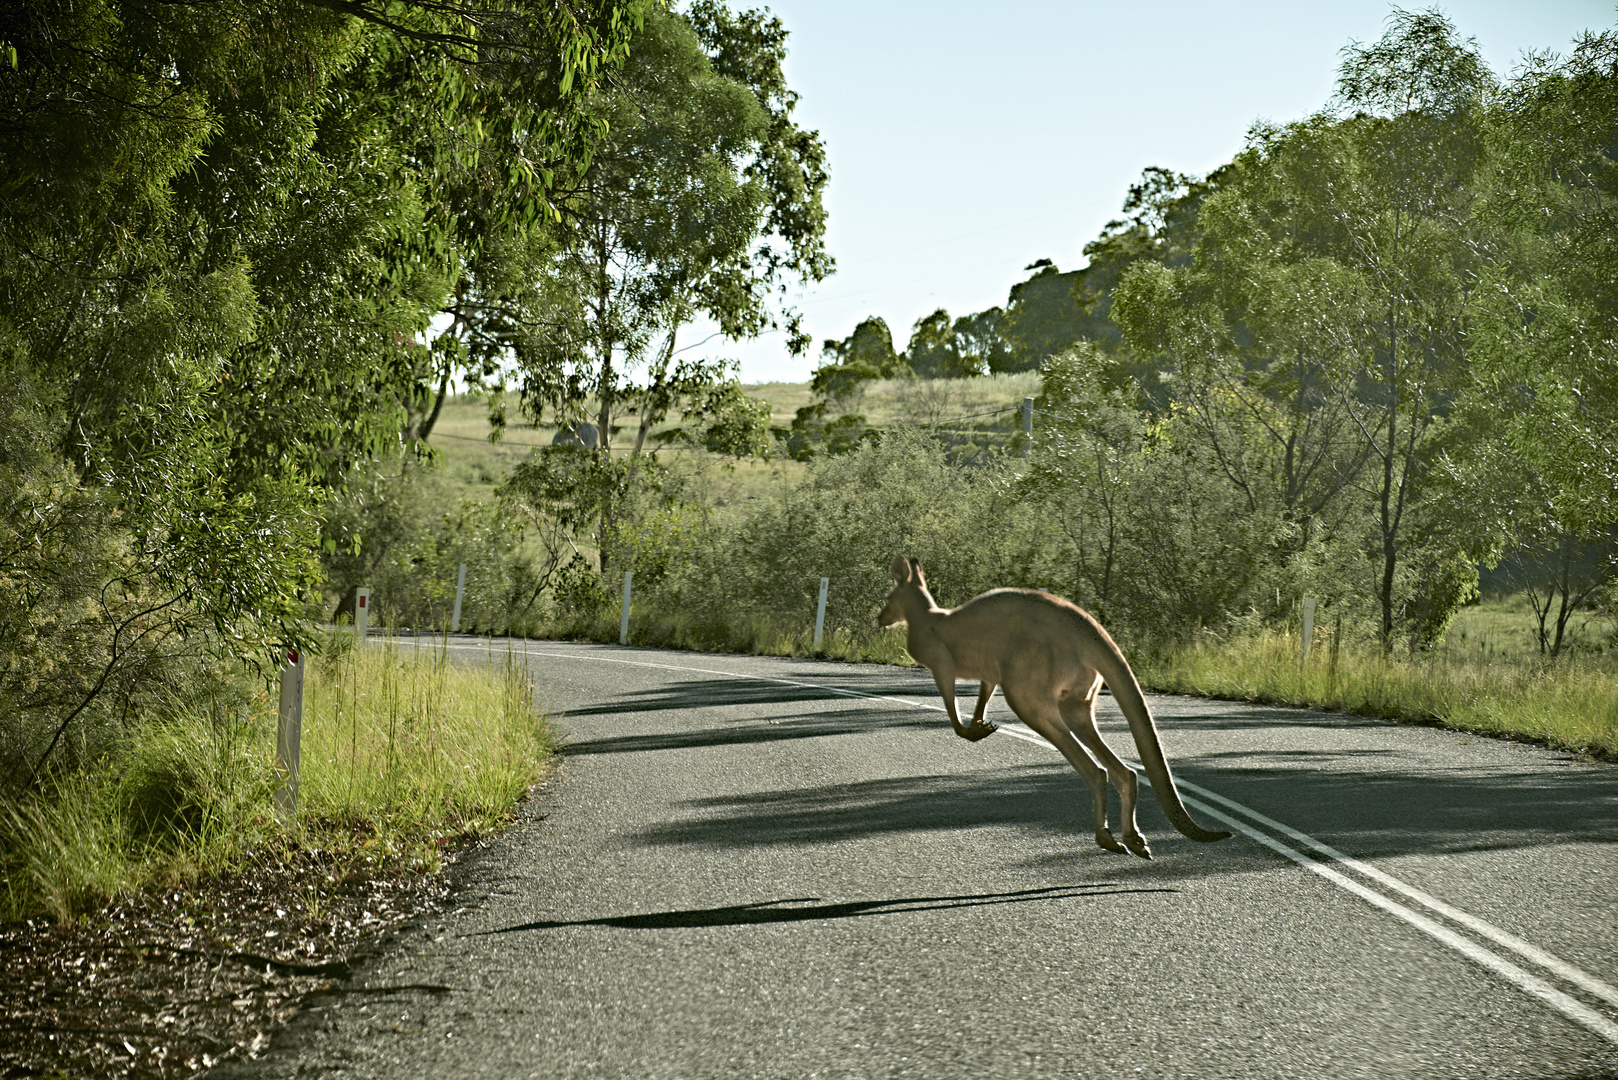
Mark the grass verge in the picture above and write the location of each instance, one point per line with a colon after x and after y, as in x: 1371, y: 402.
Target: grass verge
x: 1570, y: 705
x: 403, y: 753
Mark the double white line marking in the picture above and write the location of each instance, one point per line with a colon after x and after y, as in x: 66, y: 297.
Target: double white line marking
x: 1531, y: 970
x: 1524, y: 979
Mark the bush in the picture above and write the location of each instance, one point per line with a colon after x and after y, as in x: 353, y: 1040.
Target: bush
x: 579, y: 595
x: 388, y: 531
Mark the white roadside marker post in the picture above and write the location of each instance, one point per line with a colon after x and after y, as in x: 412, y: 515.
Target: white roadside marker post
x: 1308, y: 625
x: 362, y: 615
x: 460, y: 590
x: 820, y: 612
x: 289, y: 734
x: 623, y: 628
x: 1027, y: 425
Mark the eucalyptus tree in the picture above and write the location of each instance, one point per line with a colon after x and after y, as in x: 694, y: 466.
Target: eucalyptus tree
x: 1541, y: 415
x: 866, y: 354
x: 1418, y: 154
x: 704, y: 197
x: 1326, y: 299
x: 209, y: 280
x: 934, y: 350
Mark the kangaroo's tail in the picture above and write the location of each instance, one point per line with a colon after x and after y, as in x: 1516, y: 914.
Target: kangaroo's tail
x: 1126, y: 692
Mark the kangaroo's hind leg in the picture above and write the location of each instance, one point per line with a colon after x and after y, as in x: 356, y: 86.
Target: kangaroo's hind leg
x: 980, y: 728
x: 1079, y: 717
x: 1040, y: 712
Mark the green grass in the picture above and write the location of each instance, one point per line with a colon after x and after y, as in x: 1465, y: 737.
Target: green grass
x: 401, y: 745
x: 401, y: 753
x: 919, y: 401
x: 473, y: 465
x: 1503, y: 628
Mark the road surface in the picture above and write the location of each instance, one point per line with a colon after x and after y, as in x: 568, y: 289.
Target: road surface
x: 764, y: 867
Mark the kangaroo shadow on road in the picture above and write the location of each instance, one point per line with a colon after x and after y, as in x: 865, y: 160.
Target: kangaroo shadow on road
x: 810, y: 908
x: 1047, y: 797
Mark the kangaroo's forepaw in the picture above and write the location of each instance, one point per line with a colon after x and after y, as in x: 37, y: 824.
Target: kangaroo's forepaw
x: 974, y: 732
x: 1105, y: 838
x: 1138, y: 845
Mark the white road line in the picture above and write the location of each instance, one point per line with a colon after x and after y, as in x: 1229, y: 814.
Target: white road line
x: 1585, y: 981
x: 1525, y: 981
x: 1529, y: 984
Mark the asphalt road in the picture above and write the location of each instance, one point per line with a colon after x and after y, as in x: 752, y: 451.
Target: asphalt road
x: 756, y: 867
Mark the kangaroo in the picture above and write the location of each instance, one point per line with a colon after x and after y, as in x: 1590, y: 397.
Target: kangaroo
x: 1051, y: 656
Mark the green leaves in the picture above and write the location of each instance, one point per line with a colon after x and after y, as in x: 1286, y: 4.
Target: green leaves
x: 223, y: 228
x: 699, y: 177
x: 1418, y: 65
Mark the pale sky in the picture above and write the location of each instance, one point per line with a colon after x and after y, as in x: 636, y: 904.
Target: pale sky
x: 967, y: 140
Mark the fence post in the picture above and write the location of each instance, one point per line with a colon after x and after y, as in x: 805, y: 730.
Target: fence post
x: 820, y: 612
x: 623, y: 628
x: 289, y: 733
x: 362, y: 615
x: 1027, y: 425
x: 460, y: 590
x: 1308, y: 625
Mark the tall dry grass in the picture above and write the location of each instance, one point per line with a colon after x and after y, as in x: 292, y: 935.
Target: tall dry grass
x: 403, y: 750
x: 1571, y: 704
x: 401, y: 740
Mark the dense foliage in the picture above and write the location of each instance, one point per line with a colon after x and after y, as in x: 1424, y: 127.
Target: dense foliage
x: 223, y: 226
x: 1375, y: 351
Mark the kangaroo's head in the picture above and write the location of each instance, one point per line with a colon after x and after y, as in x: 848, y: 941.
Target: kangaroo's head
x: 909, y: 594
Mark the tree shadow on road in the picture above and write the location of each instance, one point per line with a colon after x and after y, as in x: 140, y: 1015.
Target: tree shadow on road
x: 708, y: 693
x: 810, y: 908
x: 1369, y: 801
x: 1365, y: 806
x: 795, y: 726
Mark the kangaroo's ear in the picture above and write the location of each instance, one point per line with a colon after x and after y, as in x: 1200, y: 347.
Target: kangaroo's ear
x: 901, y: 569
x: 915, y: 571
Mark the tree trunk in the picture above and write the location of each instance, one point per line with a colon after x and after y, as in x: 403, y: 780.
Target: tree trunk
x: 659, y: 380
x: 1389, y: 520
x: 438, y: 405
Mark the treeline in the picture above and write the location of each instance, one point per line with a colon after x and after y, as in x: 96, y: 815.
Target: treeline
x: 246, y: 246
x: 1376, y: 350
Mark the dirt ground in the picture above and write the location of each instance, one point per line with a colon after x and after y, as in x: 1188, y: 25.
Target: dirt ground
x: 172, y: 982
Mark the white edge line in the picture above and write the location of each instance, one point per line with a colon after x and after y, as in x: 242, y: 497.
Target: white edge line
x: 1528, y: 983
x: 1556, y: 965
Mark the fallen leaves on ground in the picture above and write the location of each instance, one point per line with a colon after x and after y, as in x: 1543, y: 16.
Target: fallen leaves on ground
x: 175, y: 981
